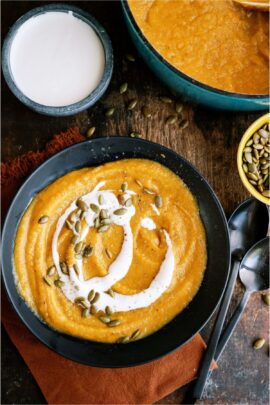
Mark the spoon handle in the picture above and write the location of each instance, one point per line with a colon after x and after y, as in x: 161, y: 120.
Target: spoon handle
x: 231, y: 325
x: 214, y: 338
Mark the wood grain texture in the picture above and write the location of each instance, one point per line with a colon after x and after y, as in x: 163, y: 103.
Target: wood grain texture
x: 210, y: 143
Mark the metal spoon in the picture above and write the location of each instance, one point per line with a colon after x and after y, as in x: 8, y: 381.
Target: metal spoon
x: 257, y: 5
x: 247, y: 225
x: 254, y: 275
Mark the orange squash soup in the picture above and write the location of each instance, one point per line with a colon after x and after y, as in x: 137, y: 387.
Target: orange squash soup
x: 111, y: 253
x: 217, y: 42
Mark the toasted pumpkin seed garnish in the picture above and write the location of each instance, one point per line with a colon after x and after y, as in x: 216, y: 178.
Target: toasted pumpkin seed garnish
x: 146, y: 112
x: 171, y: 120
x: 97, y: 222
x: 84, y: 303
x: 111, y: 293
x: 82, y: 205
x: 103, y: 214
x: 114, y: 322
x: 108, y: 253
x: 88, y: 251
x: 96, y: 298
x: 76, y: 268
x: 132, y: 104
x: 128, y: 202
x: 59, y: 283
x: 108, y: 310
x: 135, y: 135
x: 51, y: 270
x: 85, y: 313
x: 75, y: 239
x: 93, y: 310
x: 43, y: 219
x: 78, y: 226
x: 158, y: 201
x: 91, y: 295
x: 105, y: 319
x: 123, y: 339
x: 138, y: 182
x: 47, y: 281
x: 103, y: 228
x: 120, y: 211
x: 90, y: 132
x: 148, y: 191
x: 178, y: 107
x: 100, y: 199
x: 78, y: 247
x: 183, y: 124
x: 106, y: 221
x: 124, y: 186
x: 78, y: 300
x: 109, y: 112
x: 135, y: 334
x: 130, y: 57
x: 165, y: 99
x: 63, y: 267
x: 95, y: 208
x: 258, y: 344
x: 266, y: 298
x: 123, y: 88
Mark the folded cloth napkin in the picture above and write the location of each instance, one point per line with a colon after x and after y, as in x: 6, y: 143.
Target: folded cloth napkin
x: 65, y: 382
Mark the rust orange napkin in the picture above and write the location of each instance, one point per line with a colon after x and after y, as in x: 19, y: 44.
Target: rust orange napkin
x: 65, y: 382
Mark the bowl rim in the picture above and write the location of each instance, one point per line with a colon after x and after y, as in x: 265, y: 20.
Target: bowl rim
x: 80, y: 105
x: 183, y: 75
x: 134, y: 362
x: 247, y: 135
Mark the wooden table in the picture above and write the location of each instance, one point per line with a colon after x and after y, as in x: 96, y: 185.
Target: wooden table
x: 209, y: 142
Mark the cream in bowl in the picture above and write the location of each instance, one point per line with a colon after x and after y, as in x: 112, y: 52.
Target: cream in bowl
x: 111, y: 253
x: 58, y: 57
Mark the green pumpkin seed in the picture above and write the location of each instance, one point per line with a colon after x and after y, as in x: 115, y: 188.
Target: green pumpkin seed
x: 266, y: 193
x: 105, y: 319
x: 135, y: 334
x: 123, y: 88
x: 108, y: 310
x: 85, y: 304
x: 265, y: 166
x: 256, y: 137
x: 93, y: 310
x: 91, y: 295
x: 130, y: 57
x: 248, y: 157
x: 183, y: 124
x: 78, y: 247
x: 63, y: 267
x: 262, y: 132
x: 245, y: 168
x: 260, y: 188
x: 95, y: 208
x: 82, y: 205
x: 252, y: 167
x: 123, y: 339
x: 78, y: 300
x: 263, y: 161
x: 78, y: 227
x: 115, y: 322
x: 96, y: 298
x: 247, y: 149
x: 100, y: 199
x: 265, y: 177
x: 253, y: 182
x: 146, y: 112
x: 120, y: 211
x: 47, y: 281
x: 90, y: 132
x: 258, y: 344
x: 250, y: 142
x: 106, y: 221
x: 51, y: 270
x: 266, y: 299
x: 171, y: 120
x: 128, y: 202
x: 135, y: 135
x: 103, y: 228
x: 158, y: 201
x: 59, y: 283
x: 97, y: 223
x: 178, y: 107
x: 76, y: 269
x: 258, y: 146
x: 111, y: 293
x: 165, y: 99
x: 108, y: 253
x: 109, y: 112
x: 138, y: 182
x: 85, y: 313
x: 75, y: 239
x: 43, y: 219
x: 252, y: 176
x: 148, y: 191
x: 124, y: 186
x: 132, y: 104
x: 103, y: 214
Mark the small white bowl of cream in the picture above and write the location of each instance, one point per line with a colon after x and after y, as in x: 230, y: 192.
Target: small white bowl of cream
x: 57, y: 60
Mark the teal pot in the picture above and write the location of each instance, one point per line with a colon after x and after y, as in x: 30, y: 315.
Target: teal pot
x: 183, y: 85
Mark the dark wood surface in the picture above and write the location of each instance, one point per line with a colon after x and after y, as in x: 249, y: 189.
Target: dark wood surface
x: 210, y: 143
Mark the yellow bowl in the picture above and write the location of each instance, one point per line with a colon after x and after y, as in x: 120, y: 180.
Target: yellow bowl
x: 247, y: 135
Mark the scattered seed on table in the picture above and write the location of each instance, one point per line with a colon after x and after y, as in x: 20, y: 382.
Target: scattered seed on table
x: 109, y: 112
x: 90, y: 132
x: 123, y: 88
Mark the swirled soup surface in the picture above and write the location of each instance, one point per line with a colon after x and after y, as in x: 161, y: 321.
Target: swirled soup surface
x: 217, y: 42
x: 146, y: 264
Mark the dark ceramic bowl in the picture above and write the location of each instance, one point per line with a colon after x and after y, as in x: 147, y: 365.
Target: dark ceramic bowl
x: 182, y: 84
x: 72, y: 108
x: 185, y: 325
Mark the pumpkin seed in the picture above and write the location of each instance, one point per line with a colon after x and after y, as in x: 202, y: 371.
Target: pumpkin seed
x: 115, y: 322
x: 88, y: 251
x: 250, y: 142
x: 95, y: 208
x: 135, y: 334
x: 123, y: 339
x: 108, y: 310
x: 91, y: 295
x: 105, y: 319
x: 51, y: 271
x: 258, y: 344
x: 135, y: 135
x: 146, y: 112
x: 178, y: 107
x: 47, y: 281
x: 183, y: 124
x: 252, y: 167
x: 106, y: 221
x: 266, y: 193
x: 93, y: 310
x: 248, y: 157
x: 248, y: 149
x: 82, y: 205
x: 63, y: 267
x: 100, y: 199
x: 120, y: 211
x: 78, y: 247
x: 132, y: 104
x: 76, y: 268
x: 43, y: 219
x: 253, y: 182
x: 78, y: 227
x: 96, y: 298
x: 78, y: 300
x: 148, y: 191
x: 68, y: 224
x: 171, y: 120
x: 109, y: 112
x: 85, y: 303
x: 90, y: 132
x: 165, y: 99
x: 103, y: 214
x: 123, y: 88
x: 262, y: 132
x: 138, y: 182
x: 128, y: 202
x: 256, y: 138
x: 266, y: 299
x: 75, y: 239
x: 130, y: 57
x: 124, y: 186
x: 59, y: 283
x: 85, y: 313
x: 265, y: 166
x: 111, y: 293
x: 258, y: 146
x: 103, y: 228
x: 245, y: 168
x: 252, y: 176
x: 108, y: 253
x: 158, y: 201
